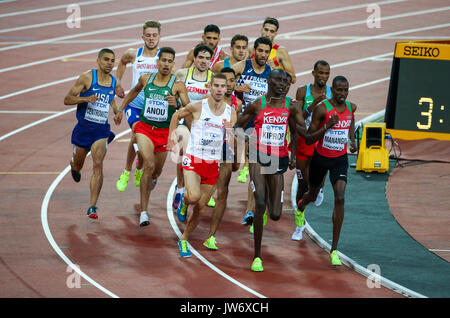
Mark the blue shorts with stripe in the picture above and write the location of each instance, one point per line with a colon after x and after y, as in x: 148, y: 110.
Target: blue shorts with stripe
x: 86, y: 136
x: 132, y: 114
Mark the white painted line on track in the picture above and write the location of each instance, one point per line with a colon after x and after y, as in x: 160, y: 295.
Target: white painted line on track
x: 177, y: 231
x: 104, y: 15
x: 28, y: 112
x: 36, y: 123
x: 48, y: 234
x: 62, y: 6
x: 183, y: 35
x: 177, y: 19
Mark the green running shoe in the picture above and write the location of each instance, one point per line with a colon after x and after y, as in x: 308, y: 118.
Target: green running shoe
x: 264, y: 222
x: 243, y: 173
x: 211, y: 243
x: 257, y: 265
x: 334, y: 258
x: 122, y: 183
x: 211, y: 202
x: 299, y: 218
x: 184, y: 249
x: 137, y: 177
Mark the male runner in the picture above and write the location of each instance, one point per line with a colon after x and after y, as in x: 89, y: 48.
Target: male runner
x: 211, y: 36
x: 94, y: 93
x: 253, y: 72
x: 333, y: 120
x: 228, y: 165
x: 196, y: 79
x: 212, y: 123
x: 279, y: 56
x: 239, y: 51
x: 309, y: 96
x: 152, y: 131
x: 143, y: 60
x: 268, y: 154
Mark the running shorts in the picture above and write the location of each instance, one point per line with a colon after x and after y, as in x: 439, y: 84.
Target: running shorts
x: 319, y: 165
x: 158, y: 136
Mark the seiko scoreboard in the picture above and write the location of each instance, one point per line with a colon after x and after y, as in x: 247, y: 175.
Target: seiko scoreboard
x: 418, y: 104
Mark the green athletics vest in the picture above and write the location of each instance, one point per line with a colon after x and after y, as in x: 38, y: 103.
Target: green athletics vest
x: 309, y: 98
x: 156, y: 110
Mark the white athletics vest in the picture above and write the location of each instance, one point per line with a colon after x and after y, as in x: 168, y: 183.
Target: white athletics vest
x: 142, y: 65
x: 196, y: 90
x: 208, y: 134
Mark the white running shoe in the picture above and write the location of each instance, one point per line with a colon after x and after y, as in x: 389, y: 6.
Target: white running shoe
x: 143, y: 220
x: 319, y: 198
x: 298, y: 233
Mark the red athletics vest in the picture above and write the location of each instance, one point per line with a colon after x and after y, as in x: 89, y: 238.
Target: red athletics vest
x: 334, y: 142
x: 233, y: 102
x: 271, y: 128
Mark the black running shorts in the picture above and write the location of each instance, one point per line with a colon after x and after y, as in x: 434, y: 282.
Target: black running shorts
x: 319, y: 166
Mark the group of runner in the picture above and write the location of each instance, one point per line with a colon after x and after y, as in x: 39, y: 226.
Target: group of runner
x: 216, y: 113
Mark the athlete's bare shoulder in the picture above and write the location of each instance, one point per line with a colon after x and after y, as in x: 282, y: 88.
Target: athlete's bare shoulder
x: 181, y: 74
x: 301, y: 92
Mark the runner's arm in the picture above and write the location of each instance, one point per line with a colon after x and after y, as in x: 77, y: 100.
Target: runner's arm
x: 127, y: 58
x: 82, y: 84
x: 134, y: 91
x: 353, y: 147
x: 285, y: 60
x: 183, y: 112
x: 315, y: 132
x: 189, y: 60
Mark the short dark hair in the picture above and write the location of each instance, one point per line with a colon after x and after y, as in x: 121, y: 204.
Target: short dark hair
x: 228, y: 70
x: 262, y: 40
x: 211, y: 28
x: 238, y: 37
x: 218, y: 75
x: 338, y: 79
x: 167, y: 49
x: 105, y: 50
x: 321, y: 62
x: 203, y: 47
x: 272, y: 21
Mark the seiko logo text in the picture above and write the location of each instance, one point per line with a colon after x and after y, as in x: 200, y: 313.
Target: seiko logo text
x: 421, y: 51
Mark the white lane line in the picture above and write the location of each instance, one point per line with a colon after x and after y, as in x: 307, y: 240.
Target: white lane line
x: 290, y: 53
x: 36, y: 123
x: 48, y: 234
x: 436, y: 250
x: 178, y: 19
x: 28, y: 112
x: 183, y: 35
x: 177, y: 231
x: 103, y: 15
x: 63, y: 6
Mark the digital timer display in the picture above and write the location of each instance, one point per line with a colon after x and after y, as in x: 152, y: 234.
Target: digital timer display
x: 419, y: 92
x: 423, y: 96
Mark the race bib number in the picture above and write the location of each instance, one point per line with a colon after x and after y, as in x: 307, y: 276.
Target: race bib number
x: 97, y: 112
x: 273, y: 135
x: 156, y: 110
x: 335, y: 139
